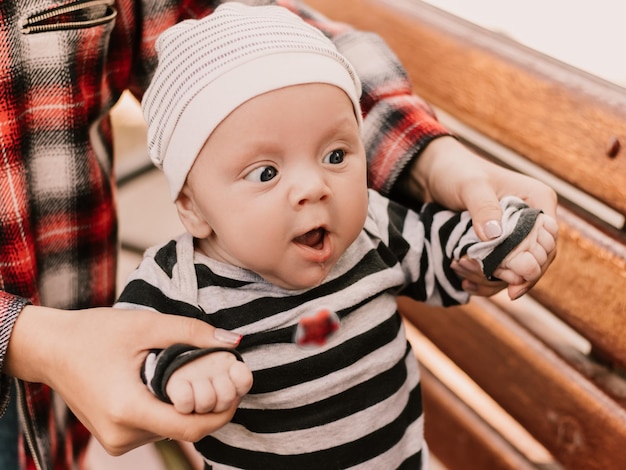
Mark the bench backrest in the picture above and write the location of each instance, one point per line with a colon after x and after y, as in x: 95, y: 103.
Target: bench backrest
x: 538, y: 381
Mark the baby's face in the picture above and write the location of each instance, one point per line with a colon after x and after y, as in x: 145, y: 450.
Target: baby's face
x: 281, y: 185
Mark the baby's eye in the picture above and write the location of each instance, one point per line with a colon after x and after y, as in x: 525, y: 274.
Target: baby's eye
x: 262, y: 174
x: 335, y: 157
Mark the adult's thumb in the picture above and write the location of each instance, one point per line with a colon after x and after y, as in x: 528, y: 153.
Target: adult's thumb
x: 166, y: 330
x: 486, y: 214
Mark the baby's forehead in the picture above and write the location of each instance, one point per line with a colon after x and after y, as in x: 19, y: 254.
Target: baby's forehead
x: 262, y: 123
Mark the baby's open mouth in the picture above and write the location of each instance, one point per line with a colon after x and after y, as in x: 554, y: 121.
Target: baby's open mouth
x: 313, y: 238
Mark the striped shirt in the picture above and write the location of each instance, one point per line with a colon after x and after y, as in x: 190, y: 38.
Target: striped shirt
x: 353, y: 401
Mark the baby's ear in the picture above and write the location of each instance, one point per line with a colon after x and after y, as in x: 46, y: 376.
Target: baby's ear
x: 190, y: 216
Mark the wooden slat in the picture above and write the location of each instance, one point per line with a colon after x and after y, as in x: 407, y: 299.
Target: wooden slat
x: 577, y: 422
x: 586, y: 284
x: 560, y: 118
x: 464, y: 426
x: 459, y: 438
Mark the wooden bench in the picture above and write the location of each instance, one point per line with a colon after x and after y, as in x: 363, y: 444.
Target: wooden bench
x: 538, y: 382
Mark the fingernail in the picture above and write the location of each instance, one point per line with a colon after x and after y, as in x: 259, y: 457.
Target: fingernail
x: 492, y: 229
x: 226, y: 336
x: 520, y: 294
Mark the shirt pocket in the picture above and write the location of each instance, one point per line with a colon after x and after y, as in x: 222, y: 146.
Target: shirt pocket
x: 69, y: 81
x: 70, y: 16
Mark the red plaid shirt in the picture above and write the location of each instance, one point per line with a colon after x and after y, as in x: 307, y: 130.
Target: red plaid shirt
x: 60, y: 74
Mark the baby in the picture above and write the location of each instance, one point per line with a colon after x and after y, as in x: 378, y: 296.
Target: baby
x: 254, y: 117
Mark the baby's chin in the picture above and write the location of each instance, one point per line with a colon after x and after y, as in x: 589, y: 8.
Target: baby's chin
x: 298, y: 283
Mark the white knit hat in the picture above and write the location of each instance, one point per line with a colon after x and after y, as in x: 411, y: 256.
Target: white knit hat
x: 209, y: 67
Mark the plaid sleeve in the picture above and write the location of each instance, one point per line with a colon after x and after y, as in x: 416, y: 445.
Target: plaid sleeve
x: 398, y: 124
x: 10, y: 308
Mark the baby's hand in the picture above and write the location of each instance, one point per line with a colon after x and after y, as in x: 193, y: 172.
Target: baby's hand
x: 211, y: 383
x: 523, y: 267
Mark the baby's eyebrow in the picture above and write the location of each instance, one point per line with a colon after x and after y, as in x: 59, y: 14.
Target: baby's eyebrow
x: 342, y: 127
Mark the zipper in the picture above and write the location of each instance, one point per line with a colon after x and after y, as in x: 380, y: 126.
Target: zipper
x: 27, y: 424
x: 44, y: 22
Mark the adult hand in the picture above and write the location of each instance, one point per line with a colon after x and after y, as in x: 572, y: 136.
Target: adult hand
x: 92, y: 358
x: 449, y: 173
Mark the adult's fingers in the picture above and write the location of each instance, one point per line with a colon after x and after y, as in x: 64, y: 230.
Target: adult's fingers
x: 158, y: 421
x: 160, y: 331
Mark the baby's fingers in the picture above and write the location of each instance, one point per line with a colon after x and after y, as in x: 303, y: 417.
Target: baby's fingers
x: 205, y: 396
x: 550, y: 225
x: 230, y: 387
x: 527, y: 264
x: 226, y: 393
x: 241, y: 376
x: 546, y: 240
x: 508, y: 276
x: 516, y: 291
x: 181, y: 394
